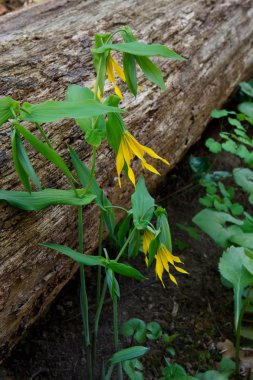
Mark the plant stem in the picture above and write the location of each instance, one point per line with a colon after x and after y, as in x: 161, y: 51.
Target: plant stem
x: 96, y: 323
x: 94, y: 157
x: 109, y: 373
x: 125, y: 245
x: 116, y: 333
x: 238, y: 331
x: 100, y: 240
x: 38, y: 126
x: 84, y: 298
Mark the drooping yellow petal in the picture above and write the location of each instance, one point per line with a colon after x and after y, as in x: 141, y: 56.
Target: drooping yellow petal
x: 159, y: 268
x: 148, y: 236
x: 98, y: 91
x: 151, y: 153
x: 131, y: 175
x: 110, y: 72
x: 128, y: 154
x: 173, y: 279
x: 168, y: 255
x: 118, y: 70
x: 181, y: 270
x: 118, y: 92
x: 177, y: 259
x: 130, y: 148
x: 136, y: 147
x: 164, y: 261
x: 149, y: 167
x: 120, y: 163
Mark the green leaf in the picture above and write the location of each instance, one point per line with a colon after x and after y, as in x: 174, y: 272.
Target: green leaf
x: 93, y: 134
x: 154, y: 331
x: 132, y: 369
x: 80, y: 258
x: 226, y: 369
x: 230, y: 146
x: 236, y: 209
x: 211, y: 375
x: 142, y: 205
x: 174, y: 371
x: 199, y: 165
x: 122, y: 229
x: 151, y: 71
x: 128, y: 354
x: 100, y: 60
x: 134, y: 244
x: 216, y: 114
x: 141, y: 49
x: 206, y: 201
x: 112, y: 284
x: 129, y: 65
x: 235, y: 123
x: 246, y: 108
x: 241, y: 238
x: 6, y: 104
x: 135, y: 327
x: 214, y: 224
x: 247, y: 332
x: 24, y: 179
x: 115, y: 125
x: 42, y: 148
x: 246, y: 88
x: 40, y: 200
x: 83, y: 173
x: 232, y: 267
x: 25, y: 162
x: 153, y: 247
x: 53, y: 110
x: 191, y: 231
x: 244, y: 178
x: 76, y: 93
x: 213, y: 146
x: 125, y: 270
x: 162, y: 224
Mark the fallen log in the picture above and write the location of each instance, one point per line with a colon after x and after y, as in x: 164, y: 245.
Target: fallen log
x: 47, y: 47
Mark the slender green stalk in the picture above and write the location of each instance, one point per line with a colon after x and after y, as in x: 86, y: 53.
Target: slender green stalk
x: 109, y: 373
x: 238, y: 331
x: 100, y: 250
x: 93, y: 165
x: 84, y: 298
x: 116, y: 333
x: 125, y: 245
x: 38, y: 126
x: 96, y: 323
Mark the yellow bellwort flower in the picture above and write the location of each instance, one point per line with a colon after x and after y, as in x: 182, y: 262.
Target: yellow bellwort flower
x: 112, y: 68
x: 163, y: 258
x: 148, y: 236
x: 129, y: 148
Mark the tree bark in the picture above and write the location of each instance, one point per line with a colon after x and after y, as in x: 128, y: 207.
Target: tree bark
x: 47, y: 47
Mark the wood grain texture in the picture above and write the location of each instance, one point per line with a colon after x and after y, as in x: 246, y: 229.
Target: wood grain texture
x: 46, y: 48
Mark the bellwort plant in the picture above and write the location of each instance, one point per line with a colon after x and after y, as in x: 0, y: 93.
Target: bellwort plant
x: 145, y: 226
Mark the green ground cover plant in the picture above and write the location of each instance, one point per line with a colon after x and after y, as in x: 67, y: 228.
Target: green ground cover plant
x: 230, y: 224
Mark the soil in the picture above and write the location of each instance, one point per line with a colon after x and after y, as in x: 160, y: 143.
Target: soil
x: 200, y: 309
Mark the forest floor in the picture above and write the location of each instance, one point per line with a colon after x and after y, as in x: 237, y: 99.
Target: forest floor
x: 199, y: 310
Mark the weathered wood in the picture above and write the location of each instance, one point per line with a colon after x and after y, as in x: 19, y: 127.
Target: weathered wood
x: 46, y: 48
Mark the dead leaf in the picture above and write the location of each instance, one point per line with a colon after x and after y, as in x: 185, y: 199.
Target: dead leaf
x: 227, y: 350
x: 3, y: 9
